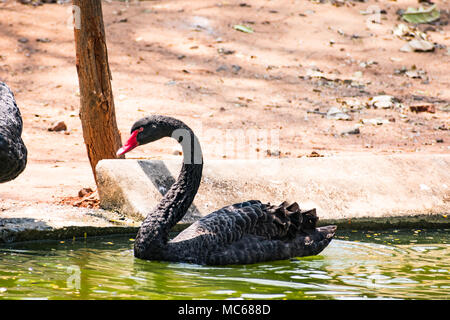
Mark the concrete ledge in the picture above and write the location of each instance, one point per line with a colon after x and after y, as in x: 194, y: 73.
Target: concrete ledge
x: 344, y: 187
x: 24, y: 222
x: 422, y: 221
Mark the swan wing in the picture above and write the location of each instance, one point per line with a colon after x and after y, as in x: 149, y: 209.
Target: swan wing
x: 253, y: 249
x: 270, y: 222
x: 250, y: 232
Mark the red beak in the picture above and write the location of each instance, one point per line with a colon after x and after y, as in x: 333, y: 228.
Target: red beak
x: 130, y: 144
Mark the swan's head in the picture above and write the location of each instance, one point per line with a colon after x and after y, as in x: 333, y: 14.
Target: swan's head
x: 150, y: 129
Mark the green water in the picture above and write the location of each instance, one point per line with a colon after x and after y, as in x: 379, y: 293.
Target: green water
x: 407, y: 264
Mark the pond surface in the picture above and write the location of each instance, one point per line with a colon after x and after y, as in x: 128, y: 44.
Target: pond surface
x: 395, y: 264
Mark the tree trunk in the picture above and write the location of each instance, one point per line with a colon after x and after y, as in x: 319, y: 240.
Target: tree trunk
x: 97, y: 112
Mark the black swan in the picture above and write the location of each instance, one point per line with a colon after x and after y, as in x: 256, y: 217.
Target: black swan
x: 13, y: 153
x: 241, y: 233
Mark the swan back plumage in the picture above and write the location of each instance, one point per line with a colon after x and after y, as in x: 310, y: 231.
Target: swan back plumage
x: 13, y: 153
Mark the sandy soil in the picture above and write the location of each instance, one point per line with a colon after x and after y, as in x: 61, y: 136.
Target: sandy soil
x: 185, y: 59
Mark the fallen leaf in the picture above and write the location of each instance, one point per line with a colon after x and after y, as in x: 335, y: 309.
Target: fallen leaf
x: 242, y: 28
x: 406, y: 32
x: 423, y: 108
x: 421, y: 15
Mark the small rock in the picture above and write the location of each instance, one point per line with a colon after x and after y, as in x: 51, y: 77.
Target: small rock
x: 43, y: 40
x: 337, y: 114
x: 225, y: 51
x: 440, y: 140
x: 351, y: 131
x: 358, y: 74
x: 351, y: 104
x: 314, y: 154
x: 23, y: 40
x: 171, y: 83
x: 413, y: 74
x: 375, y: 122
x: 85, y: 191
x: 235, y: 68
x: 417, y: 45
x: 383, y: 101
x: 58, y: 126
x: 445, y: 108
x: 222, y: 68
x: 275, y: 153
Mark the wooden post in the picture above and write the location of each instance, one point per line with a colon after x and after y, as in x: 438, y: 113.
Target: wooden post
x: 97, y: 112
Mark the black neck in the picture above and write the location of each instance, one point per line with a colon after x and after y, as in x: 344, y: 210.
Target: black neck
x: 154, y: 231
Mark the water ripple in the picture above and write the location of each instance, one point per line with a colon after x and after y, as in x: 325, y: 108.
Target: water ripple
x: 347, y: 269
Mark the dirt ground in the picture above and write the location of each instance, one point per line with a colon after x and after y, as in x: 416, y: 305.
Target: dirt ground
x: 185, y: 59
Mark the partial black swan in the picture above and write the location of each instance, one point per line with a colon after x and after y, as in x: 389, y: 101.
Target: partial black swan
x: 242, y: 233
x: 13, y: 153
